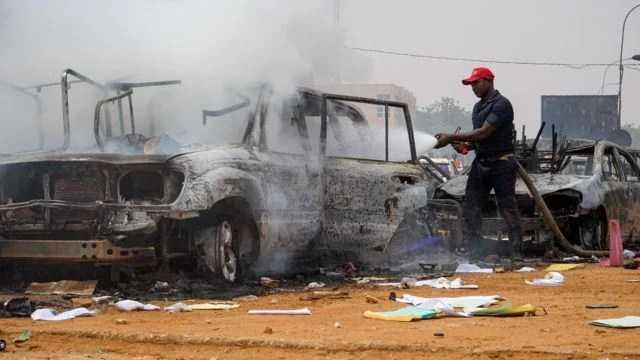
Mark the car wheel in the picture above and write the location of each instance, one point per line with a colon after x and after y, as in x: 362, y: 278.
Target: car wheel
x: 229, y: 247
x: 594, y: 232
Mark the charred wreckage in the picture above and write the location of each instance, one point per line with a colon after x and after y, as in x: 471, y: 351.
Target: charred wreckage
x: 309, y: 174
x: 226, y: 208
x: 567, y: 192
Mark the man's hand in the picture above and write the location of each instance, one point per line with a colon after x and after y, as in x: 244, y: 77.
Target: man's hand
x: 443, y: 140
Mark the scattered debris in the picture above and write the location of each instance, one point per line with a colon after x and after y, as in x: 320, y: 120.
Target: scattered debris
x: 24, y: 336
x: 392, y: 296
x: 315, y: 285
x: 628, y: 254
x: 160, y: 286
x: 52, y: 315
x: 132, y: 305
x: 368, y: 279
x: 337, y: 325
x: 102, y: 299
x: 246, y: 298
x: 550, y: 279
x: 406, y: 314
x: 633, y: 281
x: 438, y: 334
x: 499, y: 269
x: 508, y: 310
x: 178, y: 307
x: 121, y: 322
x: 3, y: 345
x: 440, y: 283
x: 563, y: 267
x: 408, y: 282
x: 268, y: 330
x: 19, y: 307
x: 631, y: 265
x: 82, y: 302
x: 467, y: 303
x: 269, y: 282
x: 626, y: 322
x: 526, y: 269
x: 333, y: 295
x: 371, y: 299
x: 303, y: 311
x: 219, y: 305
x: 602, y: 306
x: 471, y: 268
x: 574, y: 258
x: 63, y: 287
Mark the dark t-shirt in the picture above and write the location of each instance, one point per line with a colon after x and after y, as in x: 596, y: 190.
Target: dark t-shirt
x: 497, y: 110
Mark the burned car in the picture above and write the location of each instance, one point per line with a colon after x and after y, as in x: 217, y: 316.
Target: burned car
x: 583, y: 186
x: 299, y: 179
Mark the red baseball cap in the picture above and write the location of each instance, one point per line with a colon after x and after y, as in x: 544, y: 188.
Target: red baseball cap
x: 477, y: 74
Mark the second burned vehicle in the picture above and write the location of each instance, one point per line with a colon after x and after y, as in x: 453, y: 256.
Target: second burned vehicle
x: 307, y: 171
x: 584, y: 185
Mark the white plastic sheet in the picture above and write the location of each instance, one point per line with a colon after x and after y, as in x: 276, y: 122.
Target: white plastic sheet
x: 550, y: 279
x: 467, y: 303
x: 471, y: 268
x: 304, y: 311
x: 52, y: 315
x: 439, y: 283
x: 525, y: 269
x: 132, y: 305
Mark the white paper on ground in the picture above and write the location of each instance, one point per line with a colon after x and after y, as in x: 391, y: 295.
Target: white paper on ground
x: 467, y: 303
x: 178, y: 307
x: 215, y: 306
x: 471, y: 268
x: 132, y: 305
x: 550, y: 279
x: 304, y: 311
x: 623, y: 322
x: 525, y: 269
x: 439, y: 283
x: 51, y: 315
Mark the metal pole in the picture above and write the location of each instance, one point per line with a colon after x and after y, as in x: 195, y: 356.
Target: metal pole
x: 386, y: 132
x: 621, y: 67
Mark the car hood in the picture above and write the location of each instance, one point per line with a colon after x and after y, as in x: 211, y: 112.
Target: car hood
x: 110, y: 158
x: 545, y: 183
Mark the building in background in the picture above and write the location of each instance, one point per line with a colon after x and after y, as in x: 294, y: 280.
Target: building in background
x: 375, y: 114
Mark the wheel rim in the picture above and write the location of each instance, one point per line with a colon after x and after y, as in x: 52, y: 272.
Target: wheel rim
x: 228, y: 259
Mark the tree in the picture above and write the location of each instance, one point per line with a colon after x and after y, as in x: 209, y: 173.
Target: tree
x: 443, y: 116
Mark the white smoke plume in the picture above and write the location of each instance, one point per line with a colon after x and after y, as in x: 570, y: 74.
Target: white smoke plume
x: 212, y: 46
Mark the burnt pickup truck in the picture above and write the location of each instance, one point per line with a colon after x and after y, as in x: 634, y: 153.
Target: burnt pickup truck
x: 308, y: 172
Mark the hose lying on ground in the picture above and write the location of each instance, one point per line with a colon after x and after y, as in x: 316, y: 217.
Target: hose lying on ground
x: 551, y: 222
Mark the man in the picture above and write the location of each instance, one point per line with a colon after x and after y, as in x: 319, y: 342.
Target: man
x: 494, y: 166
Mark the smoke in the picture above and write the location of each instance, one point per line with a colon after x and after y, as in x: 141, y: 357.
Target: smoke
x: 214, y: 47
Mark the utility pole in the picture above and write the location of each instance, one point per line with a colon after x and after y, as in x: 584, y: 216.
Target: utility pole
x: 621, y: 67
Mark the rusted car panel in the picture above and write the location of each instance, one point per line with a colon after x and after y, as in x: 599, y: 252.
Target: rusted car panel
x: 227, y: 206
x: 592, y: 185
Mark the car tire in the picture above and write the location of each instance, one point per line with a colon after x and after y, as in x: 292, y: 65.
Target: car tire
x: 228, y: 247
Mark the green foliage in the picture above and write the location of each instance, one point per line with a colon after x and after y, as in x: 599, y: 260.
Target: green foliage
x: 443, y: 116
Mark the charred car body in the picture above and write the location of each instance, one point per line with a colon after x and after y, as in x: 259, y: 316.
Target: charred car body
x: 584, y: 184
x: 227, y: 207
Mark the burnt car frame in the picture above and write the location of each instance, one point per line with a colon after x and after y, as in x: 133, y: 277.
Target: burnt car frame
x: 583, y: 185
x: 229, y: 208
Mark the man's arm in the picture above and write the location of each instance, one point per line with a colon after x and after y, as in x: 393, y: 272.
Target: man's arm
x: 472, y: 136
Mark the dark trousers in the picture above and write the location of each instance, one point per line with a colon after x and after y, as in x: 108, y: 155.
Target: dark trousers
x: 499, y: 175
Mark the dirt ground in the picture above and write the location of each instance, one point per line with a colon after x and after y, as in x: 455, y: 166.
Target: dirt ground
x: 564, y: 333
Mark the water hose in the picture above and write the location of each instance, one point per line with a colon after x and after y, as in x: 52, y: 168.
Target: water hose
x: 551, y: 222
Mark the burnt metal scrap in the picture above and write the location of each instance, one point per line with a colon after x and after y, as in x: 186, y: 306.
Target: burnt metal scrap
x: 230, y: 208
x: 583, y: 183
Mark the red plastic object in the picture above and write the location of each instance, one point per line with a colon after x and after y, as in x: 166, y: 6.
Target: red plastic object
x: 615, y: 244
